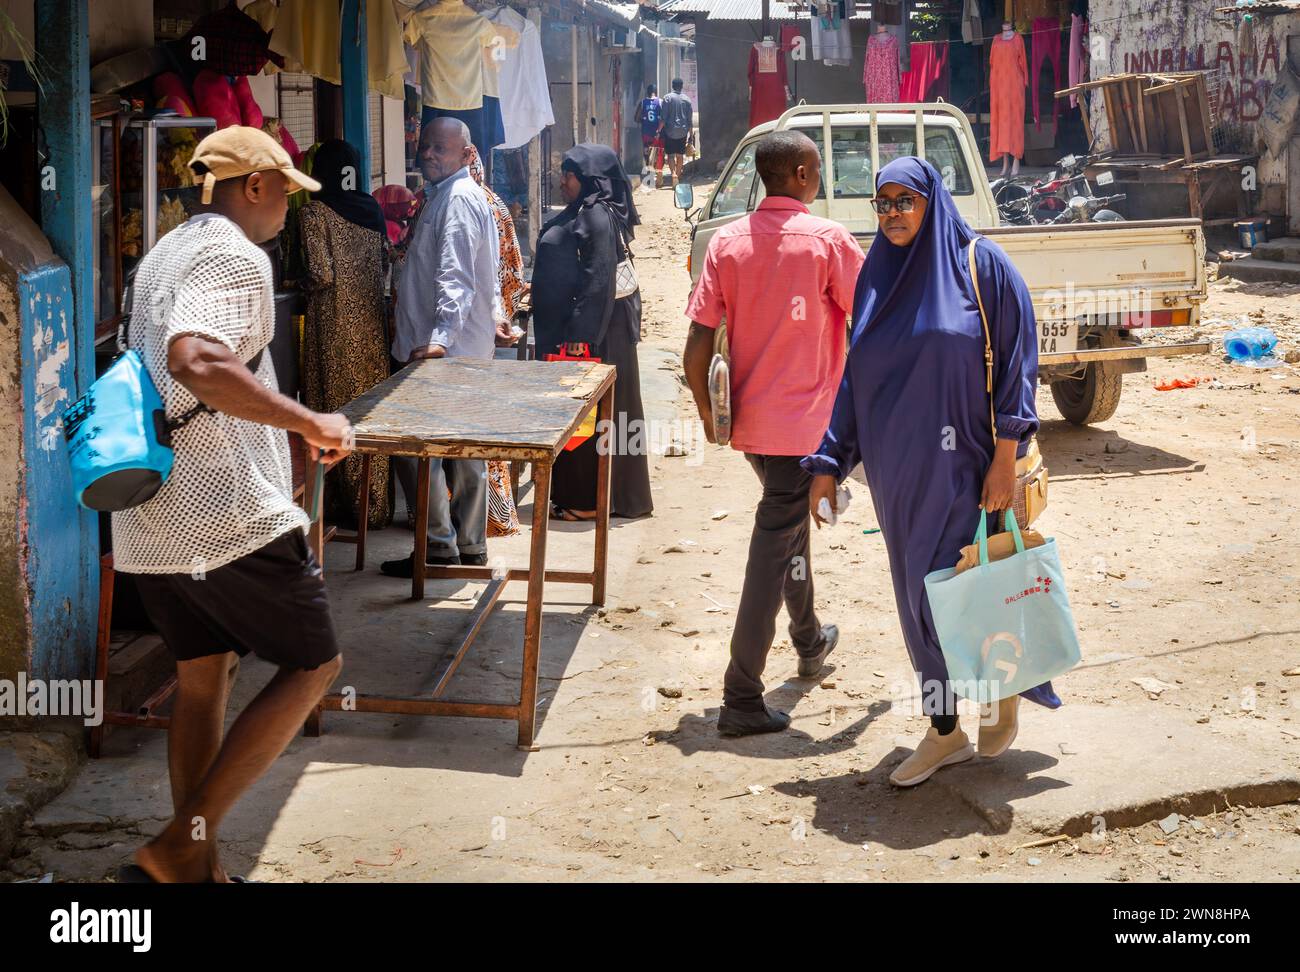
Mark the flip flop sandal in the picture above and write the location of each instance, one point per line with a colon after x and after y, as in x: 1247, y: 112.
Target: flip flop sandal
x: 560, y: 513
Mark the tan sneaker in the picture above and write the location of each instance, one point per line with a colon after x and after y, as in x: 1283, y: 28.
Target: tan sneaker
x: 935, y: 752
x: 999, y: 724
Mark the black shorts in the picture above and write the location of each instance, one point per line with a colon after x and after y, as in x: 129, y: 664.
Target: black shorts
x: 270, y: 602
x: 675, y: 146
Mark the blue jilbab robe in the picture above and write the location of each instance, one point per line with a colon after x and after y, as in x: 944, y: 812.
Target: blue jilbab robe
x: 913, y: 406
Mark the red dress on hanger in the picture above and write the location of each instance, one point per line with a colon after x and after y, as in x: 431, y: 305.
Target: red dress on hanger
x: 1008, y: 78
x: 767, y: 81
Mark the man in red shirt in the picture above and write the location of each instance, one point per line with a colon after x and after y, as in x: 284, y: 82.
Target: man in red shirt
x: 783, y: 281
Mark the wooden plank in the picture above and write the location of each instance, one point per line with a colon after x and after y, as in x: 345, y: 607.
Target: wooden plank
x: 1142, y: 117
x: 1182, y: 124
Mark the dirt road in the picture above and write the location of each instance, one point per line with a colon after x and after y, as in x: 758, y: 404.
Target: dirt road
x: 1176, y: 526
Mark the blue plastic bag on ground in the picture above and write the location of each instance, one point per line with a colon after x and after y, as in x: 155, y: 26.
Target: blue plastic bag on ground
x: 1004, y: 626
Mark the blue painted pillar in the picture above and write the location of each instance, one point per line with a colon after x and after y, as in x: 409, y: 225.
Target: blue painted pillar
x: 62, y: 569
x: 356, y: 85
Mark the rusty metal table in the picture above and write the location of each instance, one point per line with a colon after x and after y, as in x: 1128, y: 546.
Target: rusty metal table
x: 461, y: 409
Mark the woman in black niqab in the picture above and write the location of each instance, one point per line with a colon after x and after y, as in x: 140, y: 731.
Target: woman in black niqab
x: 574, y: 304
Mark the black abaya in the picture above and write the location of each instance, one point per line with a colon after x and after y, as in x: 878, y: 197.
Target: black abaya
x: 573, y: 301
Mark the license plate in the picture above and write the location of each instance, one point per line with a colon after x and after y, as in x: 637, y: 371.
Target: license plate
x: 1058, y: 336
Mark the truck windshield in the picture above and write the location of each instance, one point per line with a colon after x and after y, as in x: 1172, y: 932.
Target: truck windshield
x: 852, y: 147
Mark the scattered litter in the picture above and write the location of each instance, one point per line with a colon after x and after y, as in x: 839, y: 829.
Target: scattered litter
x: 872, y: 530
x: 1034, y: 861
x: 717, y: 603
x: 719, y: 515
x: 46, y: 878
x: 1170, y: 823
x: 1068, y: 750
x: 1176, y: 383
x: 828, y: 684
x: 1042, y: 842
x: 1115, y: 446
x: 670, y: 691
x: 1252, y: 347
x: 755, y: 788
x: 1151, y: 686
x: 1292, y: 671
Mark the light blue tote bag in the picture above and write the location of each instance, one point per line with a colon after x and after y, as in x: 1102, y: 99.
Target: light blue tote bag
x: 1004, y: 626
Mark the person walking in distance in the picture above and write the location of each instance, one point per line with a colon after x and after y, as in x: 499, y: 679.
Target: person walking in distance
x: 678, y: 124
x: 218, y: 554
x: 448, y: 303
x: 650, y: 115
x: 783, y: 281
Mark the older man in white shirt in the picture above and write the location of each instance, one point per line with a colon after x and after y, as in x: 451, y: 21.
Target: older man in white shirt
x: 447, y: 308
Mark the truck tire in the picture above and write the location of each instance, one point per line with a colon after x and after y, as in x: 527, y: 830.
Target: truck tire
x: 1092, y: 398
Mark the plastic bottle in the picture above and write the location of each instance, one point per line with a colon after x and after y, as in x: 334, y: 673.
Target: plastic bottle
x: 1249, y: 343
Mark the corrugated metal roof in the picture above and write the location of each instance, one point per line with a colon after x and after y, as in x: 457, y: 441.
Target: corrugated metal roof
x: 753, y: 10
x: 685, y: 6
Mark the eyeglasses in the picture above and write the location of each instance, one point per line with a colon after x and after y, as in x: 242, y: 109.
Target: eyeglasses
x: 904, y: 204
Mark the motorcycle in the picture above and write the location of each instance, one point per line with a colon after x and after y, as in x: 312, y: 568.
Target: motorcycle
x: 1030, y: 202
x: 1091, y: 209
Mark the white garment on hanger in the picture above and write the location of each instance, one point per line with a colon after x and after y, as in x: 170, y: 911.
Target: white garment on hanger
x: 831, y: 45
x: 524, y: 92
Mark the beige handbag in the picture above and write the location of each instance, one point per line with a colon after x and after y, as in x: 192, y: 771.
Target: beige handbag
x: 1030, y: 495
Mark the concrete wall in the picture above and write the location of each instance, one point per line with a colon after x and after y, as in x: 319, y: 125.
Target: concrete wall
x: 1151, y: 36
x: 558, y: 57
x: 722, y: 53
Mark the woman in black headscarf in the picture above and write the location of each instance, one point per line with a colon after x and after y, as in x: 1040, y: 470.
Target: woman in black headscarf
x: 344, y: 350
x: 575, y: 309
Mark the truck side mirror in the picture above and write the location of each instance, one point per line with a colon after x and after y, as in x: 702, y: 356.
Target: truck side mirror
x: 683, y: 195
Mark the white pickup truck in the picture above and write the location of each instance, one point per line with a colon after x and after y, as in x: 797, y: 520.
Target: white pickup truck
x: 1095, y: 286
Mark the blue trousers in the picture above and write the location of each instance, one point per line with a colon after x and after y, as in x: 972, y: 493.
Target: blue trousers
x: 456, y: 526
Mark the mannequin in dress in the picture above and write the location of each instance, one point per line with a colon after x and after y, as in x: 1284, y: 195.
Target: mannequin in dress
x: 882, y: 68
x: 769, y: 91
x: 1008, y: 79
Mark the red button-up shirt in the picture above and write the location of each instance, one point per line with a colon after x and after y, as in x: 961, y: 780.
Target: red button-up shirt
x: 783, y: 280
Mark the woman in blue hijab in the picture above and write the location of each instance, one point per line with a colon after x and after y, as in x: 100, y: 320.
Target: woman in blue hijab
x: 914, y: 410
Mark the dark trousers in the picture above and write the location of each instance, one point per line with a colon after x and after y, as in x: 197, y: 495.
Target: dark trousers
x: 779, y: 568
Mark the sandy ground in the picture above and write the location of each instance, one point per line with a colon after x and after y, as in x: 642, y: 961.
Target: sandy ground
x: 1175, y: 521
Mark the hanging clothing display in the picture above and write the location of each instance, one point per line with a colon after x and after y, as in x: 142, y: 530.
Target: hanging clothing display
x: 451, y: 39
x: 831, y: 42
x: 236, y: 42
x: 524, y: 91
x: 972, y: 23
x: 1008, y: 78
x: 928, y: 78
x: 1046, y: 47
x: 306, y: 44
x: 1078, y: 54
x: 767, y: 82
x: 881, y: 75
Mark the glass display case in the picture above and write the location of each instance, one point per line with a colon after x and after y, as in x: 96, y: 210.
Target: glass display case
x: 144, y: 189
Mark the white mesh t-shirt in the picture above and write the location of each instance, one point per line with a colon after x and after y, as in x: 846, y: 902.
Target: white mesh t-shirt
x: 230, y: 490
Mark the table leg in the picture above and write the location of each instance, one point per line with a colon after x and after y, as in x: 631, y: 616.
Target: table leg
x: 363, y: 512
x: 421, y: 528
x: 533, y: 615
x: 604, y: 420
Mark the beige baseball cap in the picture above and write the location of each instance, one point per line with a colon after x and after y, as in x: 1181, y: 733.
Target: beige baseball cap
x: 238, y: 151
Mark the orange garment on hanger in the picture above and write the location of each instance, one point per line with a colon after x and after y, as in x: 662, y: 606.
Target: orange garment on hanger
x: 1008, y: 78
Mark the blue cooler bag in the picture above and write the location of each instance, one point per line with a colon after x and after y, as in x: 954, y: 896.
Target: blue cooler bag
x: 119, y: 439
x: 1004, y: 626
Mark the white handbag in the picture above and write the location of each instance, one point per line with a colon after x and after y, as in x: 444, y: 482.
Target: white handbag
x: 625, y: 282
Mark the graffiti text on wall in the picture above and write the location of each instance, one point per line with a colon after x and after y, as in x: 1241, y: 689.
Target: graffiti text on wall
x: 1248, y: 78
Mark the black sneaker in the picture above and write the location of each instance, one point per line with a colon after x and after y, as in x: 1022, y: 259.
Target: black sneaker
x: 734, y: 723
x: 473, y: 560
x: 811, y: 666
x: 406, y: 566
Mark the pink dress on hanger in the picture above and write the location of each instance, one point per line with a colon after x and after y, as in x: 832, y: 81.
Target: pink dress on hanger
x: 880, y: 73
